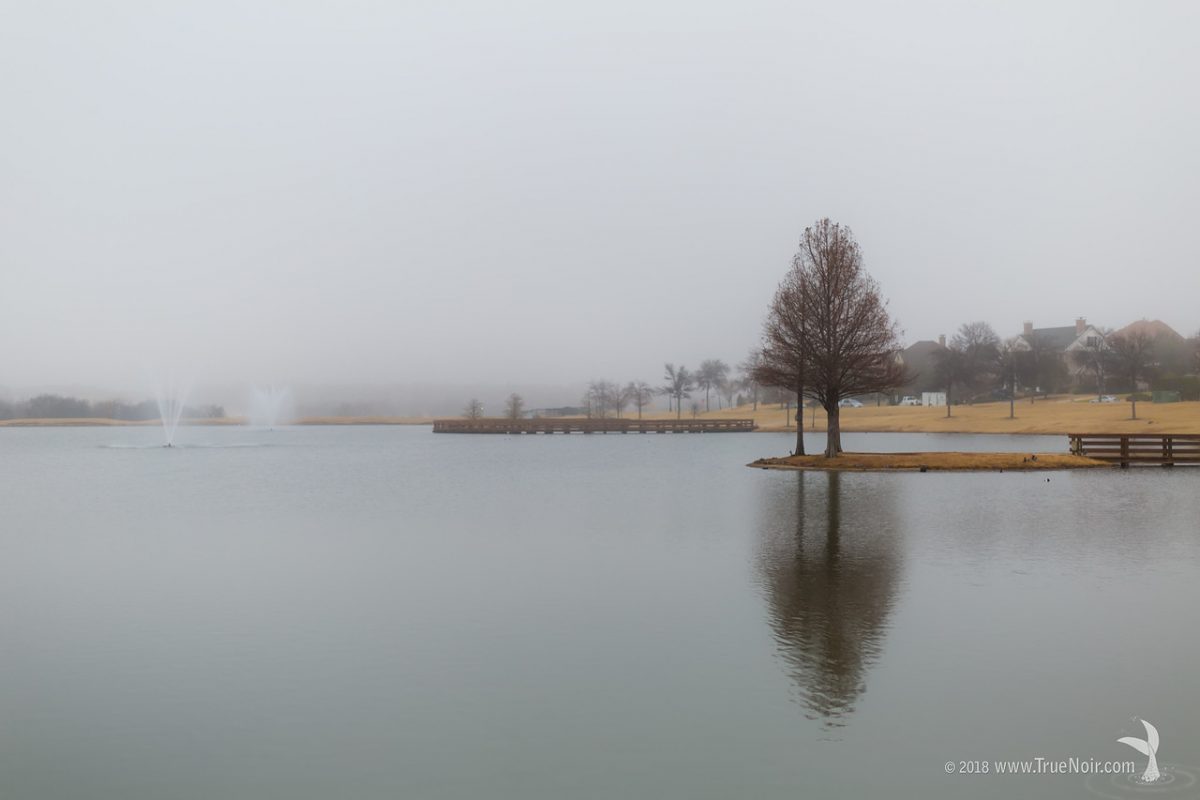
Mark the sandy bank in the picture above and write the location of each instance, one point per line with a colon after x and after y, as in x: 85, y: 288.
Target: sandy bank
x: 946, y: 462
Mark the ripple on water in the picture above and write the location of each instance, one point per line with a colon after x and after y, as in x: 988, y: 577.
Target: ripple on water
x: 1177, y: 780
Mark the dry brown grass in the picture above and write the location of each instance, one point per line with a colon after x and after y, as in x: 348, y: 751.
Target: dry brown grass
x: 945, y: 462
x: 1055, y: 415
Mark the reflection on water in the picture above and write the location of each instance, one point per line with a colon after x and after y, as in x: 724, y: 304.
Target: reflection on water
x: 830, y: 569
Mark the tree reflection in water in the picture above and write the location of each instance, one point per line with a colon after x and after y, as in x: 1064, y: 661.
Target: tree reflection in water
x: 830, y: 568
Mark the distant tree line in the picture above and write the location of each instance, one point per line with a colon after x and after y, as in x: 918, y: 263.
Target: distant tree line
x: 977, y: 365
x: 53, y: 406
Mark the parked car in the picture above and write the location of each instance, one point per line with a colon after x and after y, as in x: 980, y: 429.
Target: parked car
x: 849, y: 402
x: 911, y: 401
x: 1107, y: 398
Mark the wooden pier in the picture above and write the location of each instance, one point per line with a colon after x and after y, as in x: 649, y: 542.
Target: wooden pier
x: 1156, y: 449
x: 564, y: 425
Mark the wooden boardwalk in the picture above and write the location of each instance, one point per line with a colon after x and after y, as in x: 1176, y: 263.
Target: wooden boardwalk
x: 562, y: 425
x: 1158, y: 449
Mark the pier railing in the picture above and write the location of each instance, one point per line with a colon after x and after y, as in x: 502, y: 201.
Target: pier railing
x: 1166, y: 449
x: 562, y: 425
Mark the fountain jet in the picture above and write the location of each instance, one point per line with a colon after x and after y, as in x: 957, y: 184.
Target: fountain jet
x: 171, y: 397
x: 270, y: 406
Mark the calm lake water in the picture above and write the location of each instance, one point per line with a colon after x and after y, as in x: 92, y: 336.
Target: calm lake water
x: 385, y: 613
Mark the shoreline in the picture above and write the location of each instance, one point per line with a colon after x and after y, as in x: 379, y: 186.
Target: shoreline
x: 1054, y: 416
x: 104, y: 422
x: 932, y: 462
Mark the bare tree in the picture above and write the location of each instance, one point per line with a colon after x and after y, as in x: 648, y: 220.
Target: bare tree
x: 711, y: 375
x: 514, y: 407
x: 1010, y: 359
x: 1132, y: 358
x: 749, y: 382
x: 619, y: 398
x: 679, y: 386
x: 980, y: 346
x: 1094, y: 359
x: 1048, y: 367
x: 851, y: 343
x: 604, y: 397
x: 729, y: 388
x: 640, y: 394
x: 950, y: 368
x: 474, y: 409
x: 969, y: 361
x: 782, y: 364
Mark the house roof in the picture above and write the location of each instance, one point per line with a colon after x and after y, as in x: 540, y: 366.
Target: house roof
x: 918, y: 358
x: 923, y: 347
x: 1154, y: 328
x: 1055, y: 338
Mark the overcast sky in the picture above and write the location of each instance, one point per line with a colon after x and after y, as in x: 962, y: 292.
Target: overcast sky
x: 443, y: 191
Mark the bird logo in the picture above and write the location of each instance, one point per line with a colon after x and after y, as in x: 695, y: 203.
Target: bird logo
x: 1147, y: 747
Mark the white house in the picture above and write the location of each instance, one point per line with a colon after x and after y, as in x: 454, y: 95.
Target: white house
x: 1064, y: 340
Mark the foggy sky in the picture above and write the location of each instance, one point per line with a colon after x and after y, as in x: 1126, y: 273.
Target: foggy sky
x: 491, y: 192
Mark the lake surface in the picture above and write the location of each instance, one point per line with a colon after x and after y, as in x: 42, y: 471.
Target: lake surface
x: 380, y: 612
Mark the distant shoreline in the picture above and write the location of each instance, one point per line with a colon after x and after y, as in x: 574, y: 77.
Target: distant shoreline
x: 1054, y: 416
x: 100, y: 422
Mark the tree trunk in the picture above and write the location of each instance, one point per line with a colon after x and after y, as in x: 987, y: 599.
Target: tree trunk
x: 1133, y: 403
x: 800, y: 421
x: 833, y: 430
x: 948, y: 401
x: 679, y: 407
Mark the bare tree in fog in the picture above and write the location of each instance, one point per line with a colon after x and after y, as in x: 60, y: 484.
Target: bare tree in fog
x: 1094, y: 358
x: 950, y: 367
x: 729, y: 388
x: 748, y: 379
x: 640, y: 394
x: 474, y: 409
x: 1132, y: 358
x: 1010, y: 359
x: 596, y: 399
x: 679, y: 386
x: 604, y: 398
x: 619, y: 397
x: 711, y: 375
x: 849, y: 344
x: 782, y: 362
x: 971, y: 360
x: 1047, y: 366
x: 514, y: 407
x: 980, y: 346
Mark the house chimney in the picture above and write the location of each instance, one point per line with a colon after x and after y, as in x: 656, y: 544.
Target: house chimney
x: 1080, y: 326
x: 1028, y: 328
x: 942, y: 340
